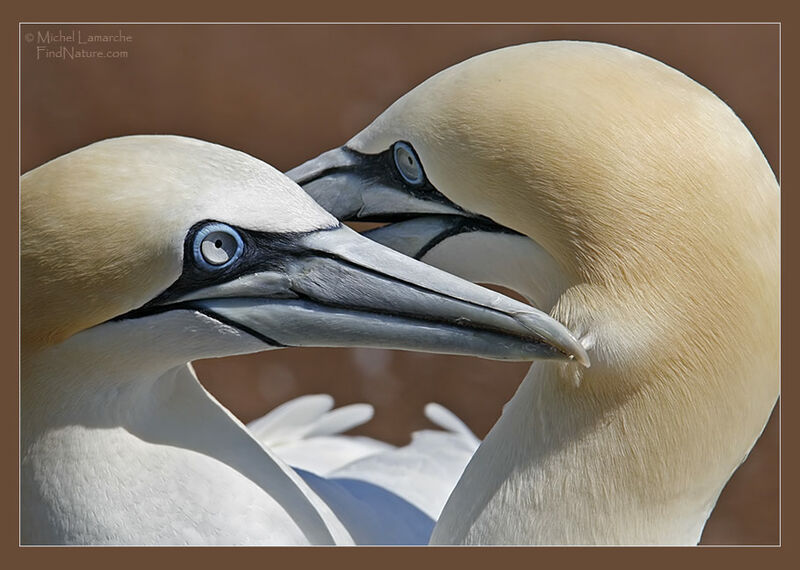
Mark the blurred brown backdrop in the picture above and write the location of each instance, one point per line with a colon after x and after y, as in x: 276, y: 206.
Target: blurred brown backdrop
x: 284, y: 93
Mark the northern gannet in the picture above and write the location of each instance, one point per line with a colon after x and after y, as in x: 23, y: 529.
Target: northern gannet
x: 633, y: 205
x: 140, y: 254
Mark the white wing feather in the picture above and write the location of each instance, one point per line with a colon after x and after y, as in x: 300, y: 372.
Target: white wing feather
x: 306, y: 433
x: 381, y: 493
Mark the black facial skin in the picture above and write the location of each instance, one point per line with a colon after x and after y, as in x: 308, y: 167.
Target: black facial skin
x: 263, y: 251
x: 381, y: 169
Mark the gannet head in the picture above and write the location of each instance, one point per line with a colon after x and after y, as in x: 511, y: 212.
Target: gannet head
x: 135, y: 236
x: 634, y: 183
x: 631, y: 203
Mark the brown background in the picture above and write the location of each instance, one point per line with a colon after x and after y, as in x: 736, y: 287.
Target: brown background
x: 286, y: 92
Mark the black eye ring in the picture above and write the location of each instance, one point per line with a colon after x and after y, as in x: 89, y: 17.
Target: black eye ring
x: 216, y: 246
x: 408, y: 164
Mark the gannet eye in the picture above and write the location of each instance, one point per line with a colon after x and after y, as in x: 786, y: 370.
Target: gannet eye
x: 216, y: 246
x: 408, y: 164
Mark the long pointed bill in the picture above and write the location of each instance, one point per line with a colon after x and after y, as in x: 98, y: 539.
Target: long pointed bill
x: 336, y: 288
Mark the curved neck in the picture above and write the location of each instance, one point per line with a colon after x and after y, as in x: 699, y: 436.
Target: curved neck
x: 101, y: 437
x: 561, y: 469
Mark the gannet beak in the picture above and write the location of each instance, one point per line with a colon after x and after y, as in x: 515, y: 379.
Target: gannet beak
x: 365, y: 187
x: 417, y: 236
x: 333, y: 287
